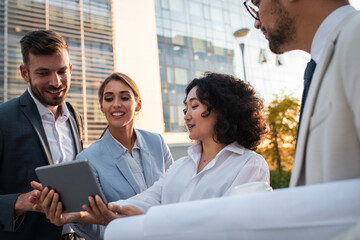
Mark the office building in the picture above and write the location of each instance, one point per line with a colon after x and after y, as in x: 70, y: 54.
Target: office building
x: 161, y: 44
x: 86, y: 26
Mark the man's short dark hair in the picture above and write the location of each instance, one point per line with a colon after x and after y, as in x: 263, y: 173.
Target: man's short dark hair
x: 41, y: 42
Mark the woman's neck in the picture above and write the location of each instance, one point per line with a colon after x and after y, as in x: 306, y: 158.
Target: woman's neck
x: 125, y: 135
x: 209, y: 151
x: 210, y: 148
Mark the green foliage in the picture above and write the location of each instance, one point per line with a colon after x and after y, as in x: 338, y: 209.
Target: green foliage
x: 279, y: 146
x: 279, y: 179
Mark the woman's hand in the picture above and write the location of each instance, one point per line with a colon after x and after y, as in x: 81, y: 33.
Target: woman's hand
x: 104, y: 214
x: 99, y: 211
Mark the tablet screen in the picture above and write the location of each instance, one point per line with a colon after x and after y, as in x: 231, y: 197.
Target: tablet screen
x: 74, y: 181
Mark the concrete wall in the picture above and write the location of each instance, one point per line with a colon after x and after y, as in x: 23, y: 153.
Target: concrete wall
x: 136, y: 55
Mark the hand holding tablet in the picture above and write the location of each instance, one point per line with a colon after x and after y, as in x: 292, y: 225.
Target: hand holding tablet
x: 74, y: 181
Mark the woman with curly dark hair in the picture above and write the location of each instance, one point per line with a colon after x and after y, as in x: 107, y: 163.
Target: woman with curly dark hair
x: 239, y: 113
x: 225, y: 117
x: 237, y: 116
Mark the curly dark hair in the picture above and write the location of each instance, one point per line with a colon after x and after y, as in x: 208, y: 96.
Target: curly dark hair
x: 240, y: 113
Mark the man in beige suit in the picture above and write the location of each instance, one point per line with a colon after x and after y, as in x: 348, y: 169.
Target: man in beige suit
x: 328, y: 146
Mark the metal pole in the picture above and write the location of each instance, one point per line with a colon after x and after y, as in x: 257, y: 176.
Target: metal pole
x: 83, y: 72
x: 242, y: 46
x: 6, y: 50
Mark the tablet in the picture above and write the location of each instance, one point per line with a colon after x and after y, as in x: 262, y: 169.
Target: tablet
x: 74, y: 181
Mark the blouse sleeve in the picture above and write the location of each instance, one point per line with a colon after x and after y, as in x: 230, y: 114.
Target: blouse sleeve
x: 153, y: 195
x: 256, y: 170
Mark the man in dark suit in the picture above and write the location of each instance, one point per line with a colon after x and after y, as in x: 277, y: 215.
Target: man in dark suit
x: 38, y: 128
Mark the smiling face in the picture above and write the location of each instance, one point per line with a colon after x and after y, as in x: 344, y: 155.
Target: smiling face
x: 277, y: 24
x: 200, y: 128
x: 49, y: 77
x: 119, y: 104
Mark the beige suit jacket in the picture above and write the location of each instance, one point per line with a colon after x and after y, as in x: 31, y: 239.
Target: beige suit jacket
x: 328, y: 147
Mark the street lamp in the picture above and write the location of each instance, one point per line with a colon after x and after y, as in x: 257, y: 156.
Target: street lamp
x: 241, y: 36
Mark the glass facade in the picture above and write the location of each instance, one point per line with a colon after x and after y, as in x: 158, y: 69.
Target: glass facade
x: 195, y: 36
x: 86, y: 25
x: 192, y: 39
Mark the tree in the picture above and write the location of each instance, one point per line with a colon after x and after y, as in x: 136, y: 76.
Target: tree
x: 279, y: 146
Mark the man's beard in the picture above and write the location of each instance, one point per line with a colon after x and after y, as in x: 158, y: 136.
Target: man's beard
x: 49, y: 101
x: 284, y: 32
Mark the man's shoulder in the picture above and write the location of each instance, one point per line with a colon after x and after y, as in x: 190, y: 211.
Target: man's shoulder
x: 350, y: 30
x: 9, y: 106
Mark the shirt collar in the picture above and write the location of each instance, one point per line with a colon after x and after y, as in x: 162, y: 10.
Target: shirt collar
x: 43, y: 111
x: 195, y: 151
x: 326, y: 28
x: 136, y: 144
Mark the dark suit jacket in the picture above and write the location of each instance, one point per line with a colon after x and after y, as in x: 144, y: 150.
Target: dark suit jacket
x: 23, y: 147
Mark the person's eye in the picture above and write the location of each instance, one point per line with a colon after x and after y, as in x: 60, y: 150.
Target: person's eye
x: 125, y: 98
x: 184, y: 111
x: 43, y: 74
x: 61, y: 72
x: 194, y: 106
x: 108, y: 99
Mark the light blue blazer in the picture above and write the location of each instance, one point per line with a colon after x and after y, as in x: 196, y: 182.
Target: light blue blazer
x: 114, y: 174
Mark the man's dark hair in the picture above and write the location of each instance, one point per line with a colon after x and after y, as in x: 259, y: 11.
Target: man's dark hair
x: 42, y: 42
x: 239, y: 112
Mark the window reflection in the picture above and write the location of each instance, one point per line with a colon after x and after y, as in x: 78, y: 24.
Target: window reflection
x: 191, y: 40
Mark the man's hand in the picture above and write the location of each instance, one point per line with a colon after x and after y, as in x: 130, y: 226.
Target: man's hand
x: 35, y: 196
x: 52, y: 207
x: 27, y: 202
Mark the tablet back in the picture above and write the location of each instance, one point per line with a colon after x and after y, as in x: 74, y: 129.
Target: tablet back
x: 74, y: 181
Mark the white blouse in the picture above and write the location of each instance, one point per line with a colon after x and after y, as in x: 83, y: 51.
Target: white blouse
x: 233, y: 165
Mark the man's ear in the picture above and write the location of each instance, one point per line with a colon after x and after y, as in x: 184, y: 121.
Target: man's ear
x: 70, y: 67
x: 138, y: 107
x: 24, y: 73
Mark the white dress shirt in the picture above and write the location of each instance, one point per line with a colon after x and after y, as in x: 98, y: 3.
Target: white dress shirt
x: 58, y: 132
x: 326, y: 27
x: 233, y: 165
x: 59, y: 136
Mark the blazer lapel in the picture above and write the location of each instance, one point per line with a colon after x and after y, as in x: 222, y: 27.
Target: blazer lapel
x: 75, y: 133
x: 31, y: 112
x: 119, y: 160
x: 147, y: 160
x: 148, y: 168
x: 299, y: 160
x: 298, y: 172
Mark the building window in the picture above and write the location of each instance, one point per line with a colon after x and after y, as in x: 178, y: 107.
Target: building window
x: 263, y: 56
x: 279, y: 60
